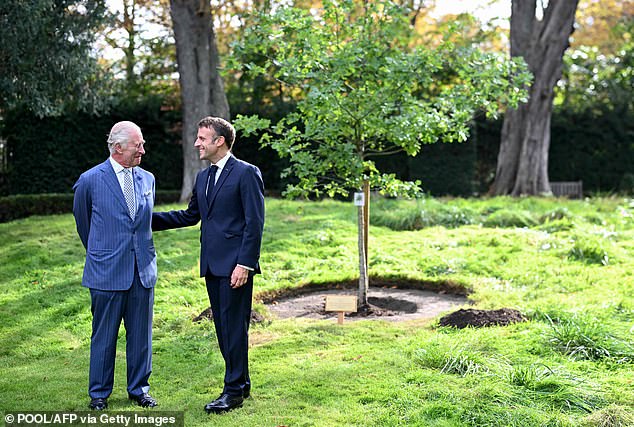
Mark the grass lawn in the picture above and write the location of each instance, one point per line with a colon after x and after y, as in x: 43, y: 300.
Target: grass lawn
x: 567, y: 265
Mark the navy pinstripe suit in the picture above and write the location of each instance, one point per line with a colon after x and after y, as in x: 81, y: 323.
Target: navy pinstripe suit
x: 120, y: 271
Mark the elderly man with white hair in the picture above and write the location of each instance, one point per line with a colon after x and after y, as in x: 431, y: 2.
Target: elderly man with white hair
x: 113, y: 212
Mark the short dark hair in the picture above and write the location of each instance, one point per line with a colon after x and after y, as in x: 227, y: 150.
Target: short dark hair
x: 221, y: 127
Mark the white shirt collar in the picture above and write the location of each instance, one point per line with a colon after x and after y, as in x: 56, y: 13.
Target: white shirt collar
x: 116, y: 165
x: 222, y: 162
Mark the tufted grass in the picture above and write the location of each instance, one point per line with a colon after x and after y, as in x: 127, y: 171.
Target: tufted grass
x: 569, y: 365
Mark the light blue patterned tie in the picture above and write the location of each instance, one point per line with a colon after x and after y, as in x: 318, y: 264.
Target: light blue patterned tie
x: 128, y: 191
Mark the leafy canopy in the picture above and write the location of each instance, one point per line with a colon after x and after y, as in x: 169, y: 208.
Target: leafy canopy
x: 365, y: 89
x: 594, y: 81
x: 45, y: 61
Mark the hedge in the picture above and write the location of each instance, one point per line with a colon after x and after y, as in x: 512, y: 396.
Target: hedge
x: 25, y: 205
x: 47, y: 155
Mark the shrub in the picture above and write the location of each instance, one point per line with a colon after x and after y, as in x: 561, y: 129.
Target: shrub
x: 542, y: 383
x: 429, y: 213
x: 587, y: 339
x: 450, y: 361
x: 447, y: 216
x: 556, y: 214
x: 589, y: 251
x: 626, y: 186
x: 556, y: 226
x: 506, y: 218
x: 397, y: 219
x: 612, y: 416
x: 25, y: 205
x: 166, y: 196
x: 79, y: 140
x: 528, y: 376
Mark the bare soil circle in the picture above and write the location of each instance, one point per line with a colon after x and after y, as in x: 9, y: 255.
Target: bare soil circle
x: 387, y: 303
x: 395, y: 299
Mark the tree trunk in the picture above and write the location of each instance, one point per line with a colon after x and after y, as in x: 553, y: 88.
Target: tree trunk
x: 129, y: 17
x: 363, y: 227
x: 202, y: 90
x: 522, y: 166
x: 366, y: 220
x: 362, y: 300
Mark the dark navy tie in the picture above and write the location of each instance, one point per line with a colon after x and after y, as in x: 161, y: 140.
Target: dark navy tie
x: 211, y: 181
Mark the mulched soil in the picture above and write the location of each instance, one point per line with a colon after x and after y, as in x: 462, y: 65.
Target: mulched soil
x: 480, y: 318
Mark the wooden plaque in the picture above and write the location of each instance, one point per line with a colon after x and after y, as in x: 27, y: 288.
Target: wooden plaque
x: 347, y: 303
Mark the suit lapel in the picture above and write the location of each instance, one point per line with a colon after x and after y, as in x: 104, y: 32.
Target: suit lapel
x: 139, y: 199
x: 201, y: 187
x: 221, y: 180
x: 113, y: 183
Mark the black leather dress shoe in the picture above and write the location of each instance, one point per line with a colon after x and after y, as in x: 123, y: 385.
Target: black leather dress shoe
x: 144, y: 400
x: 224, y: 403
x: 98, y: 404
x: 246, y: 393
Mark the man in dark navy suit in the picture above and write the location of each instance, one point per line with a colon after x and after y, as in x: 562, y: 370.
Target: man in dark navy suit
x: 228, y: 199
x: 113, y: 212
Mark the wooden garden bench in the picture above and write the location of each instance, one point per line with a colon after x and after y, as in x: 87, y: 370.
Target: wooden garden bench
x: 571, y: 189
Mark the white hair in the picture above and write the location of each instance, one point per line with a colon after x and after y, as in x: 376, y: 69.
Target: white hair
x: 121, y: 133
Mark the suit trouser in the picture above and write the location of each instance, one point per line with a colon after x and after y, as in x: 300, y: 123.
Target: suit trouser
x: 134, y: 306
x: 231, y: 309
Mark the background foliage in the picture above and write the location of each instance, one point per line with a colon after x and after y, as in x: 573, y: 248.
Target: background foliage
x: 592, y: 135
x: 47, y: 63
x: 364, y: 92
x: 49, y: 154
x: 593, y: 146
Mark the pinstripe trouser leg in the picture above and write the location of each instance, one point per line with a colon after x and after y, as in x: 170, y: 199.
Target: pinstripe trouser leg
x: 108, y: 308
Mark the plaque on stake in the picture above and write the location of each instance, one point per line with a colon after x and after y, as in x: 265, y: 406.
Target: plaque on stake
x: 341, y: 304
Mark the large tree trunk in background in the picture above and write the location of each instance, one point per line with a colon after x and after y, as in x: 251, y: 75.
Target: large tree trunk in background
x: 202, y: 90
x: 522, y: 166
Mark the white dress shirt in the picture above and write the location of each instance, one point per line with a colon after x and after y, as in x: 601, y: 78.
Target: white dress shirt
x: 118, y: 171
x: 221, y: 165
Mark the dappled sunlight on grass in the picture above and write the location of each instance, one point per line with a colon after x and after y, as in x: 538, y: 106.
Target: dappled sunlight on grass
x: 568, y: 266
